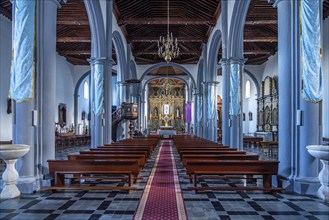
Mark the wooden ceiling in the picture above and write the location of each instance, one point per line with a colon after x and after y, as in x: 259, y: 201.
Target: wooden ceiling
x: 260, y: 32
x: 143, y: 21
x: 167, y: 70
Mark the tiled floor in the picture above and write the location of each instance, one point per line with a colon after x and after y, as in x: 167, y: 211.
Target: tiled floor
x: 122, y: 205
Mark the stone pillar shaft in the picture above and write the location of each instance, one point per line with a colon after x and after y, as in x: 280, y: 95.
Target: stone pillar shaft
x: 225, y: 103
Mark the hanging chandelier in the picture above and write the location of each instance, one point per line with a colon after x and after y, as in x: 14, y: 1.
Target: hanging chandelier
x: 168, y: 48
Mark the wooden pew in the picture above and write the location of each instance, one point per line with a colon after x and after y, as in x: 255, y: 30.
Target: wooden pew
x: 123, y: 150
x: 94, y: 156
x: 149, y: 148
x: 198, y: 158
x: 210, y: 152
x: 264, y: 168
x: 114, y: 167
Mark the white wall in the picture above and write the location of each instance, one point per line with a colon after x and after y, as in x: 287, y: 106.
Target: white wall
x: 219, y: 86
x: 5, y: 59
x: 83, y: 104
x: 115, y: 91
x: 271, y: 67
x: 249, y: 105
x: 65, y: 88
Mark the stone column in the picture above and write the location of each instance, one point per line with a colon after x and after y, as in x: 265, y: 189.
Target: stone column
x: 39, y: 133
x: 46, y: 68
x: 97, y: 131
x: 108, y: 76
x: 122, y: 130
x: 211, y: 130
x: 226, y: 76
x: 285, y: 85
x: 310, y: 131
x: 325, y: 65
x: 108, y: 100
x: 24, y: 133
x: 236, y: 136
x: 225, y: 103
x: 198, y: 113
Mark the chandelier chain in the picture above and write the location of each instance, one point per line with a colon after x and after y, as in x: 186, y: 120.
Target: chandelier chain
x: 167, y: 46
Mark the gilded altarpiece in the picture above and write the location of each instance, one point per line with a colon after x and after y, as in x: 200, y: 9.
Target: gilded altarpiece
x: 166, y: 98
x: 267, y: 107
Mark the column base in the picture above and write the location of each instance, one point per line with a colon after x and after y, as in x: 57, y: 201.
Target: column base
x: 29, y: 184
x: 307, y: 186
x: 302, y: 186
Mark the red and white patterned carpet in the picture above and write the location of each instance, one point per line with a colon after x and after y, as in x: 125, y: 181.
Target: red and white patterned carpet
x: 162, y: 197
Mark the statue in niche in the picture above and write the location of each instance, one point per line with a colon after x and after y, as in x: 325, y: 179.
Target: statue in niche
x: 62, y: 114
x: 250, y: 116
x: 155, y: 112
x: 178, y: 114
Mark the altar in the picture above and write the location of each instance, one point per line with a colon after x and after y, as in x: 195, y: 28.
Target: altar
x: 166, y: 130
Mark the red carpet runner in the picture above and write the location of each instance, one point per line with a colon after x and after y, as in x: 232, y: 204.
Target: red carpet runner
x: 162, y: 197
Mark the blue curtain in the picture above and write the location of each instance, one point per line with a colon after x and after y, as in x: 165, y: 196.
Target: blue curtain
x: 199, y: 108
x: 99, y: 88
x: 212, y: 97
x: 22, y: 66
x: 311, y: 45
x: 234, y: 89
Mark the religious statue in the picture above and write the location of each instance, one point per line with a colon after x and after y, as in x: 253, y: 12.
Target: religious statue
x: 155, y: 112
x: 178, y: 112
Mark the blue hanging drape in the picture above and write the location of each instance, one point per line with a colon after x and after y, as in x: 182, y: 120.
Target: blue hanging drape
x: 212, y: 97
x: 99, y: 89
x: 234, y: 89
x: 311, y: 45
x: 22, y: 66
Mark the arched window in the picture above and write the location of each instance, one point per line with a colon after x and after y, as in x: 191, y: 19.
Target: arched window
x: 86, y: 90
x: 247, y: 89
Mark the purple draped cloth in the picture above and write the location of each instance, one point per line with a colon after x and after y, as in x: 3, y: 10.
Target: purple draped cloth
x: 188, y: 112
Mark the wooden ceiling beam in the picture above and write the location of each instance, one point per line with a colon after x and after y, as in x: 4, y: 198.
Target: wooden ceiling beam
x: 73, y: 39
x: 172, y: 21
x: 145, y: 60
x: 73, y: 22
x: 260, y: 39
x: 156, y: 39
x: 257, y: 60
x: 191, y: 60
x: 261, y: 22
x: 75, y: 52
x: 5, y: 12
x: 257, y: 52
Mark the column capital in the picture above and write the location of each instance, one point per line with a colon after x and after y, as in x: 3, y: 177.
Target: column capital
x: 119, y: 83
x: 59, y: 2
x: 110, y: 62
x: 211, y: 83
x: 97, y: 60
x: 223, y: 61
x: 274, y: 2
x: 237, y: 60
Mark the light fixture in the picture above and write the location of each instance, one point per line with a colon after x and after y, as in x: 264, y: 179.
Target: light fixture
x: 168, y: 48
